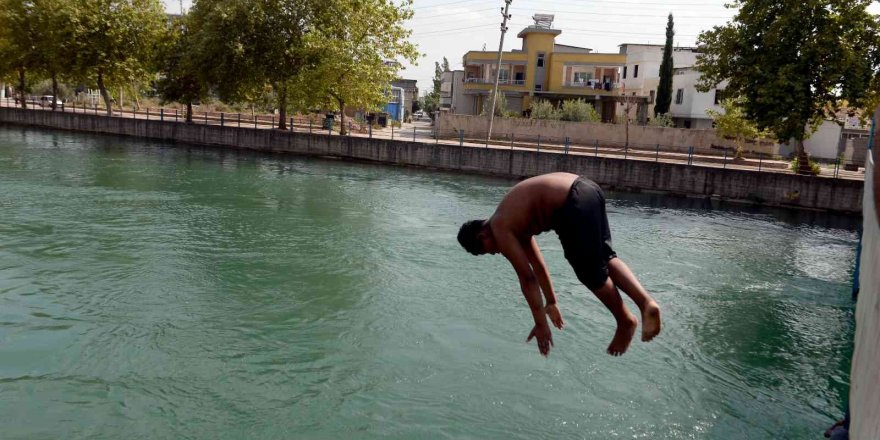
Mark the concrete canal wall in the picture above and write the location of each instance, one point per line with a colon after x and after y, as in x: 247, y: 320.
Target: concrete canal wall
x: 767, y: 188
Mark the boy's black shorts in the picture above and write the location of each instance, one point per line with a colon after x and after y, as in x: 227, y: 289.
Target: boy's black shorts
x: 582, y: 227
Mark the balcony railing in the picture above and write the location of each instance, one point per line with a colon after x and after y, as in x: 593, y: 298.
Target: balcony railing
x: 503, y: 82
x: 593, y: 84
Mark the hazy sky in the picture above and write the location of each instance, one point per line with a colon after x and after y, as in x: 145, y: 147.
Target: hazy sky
x: 452, y: 27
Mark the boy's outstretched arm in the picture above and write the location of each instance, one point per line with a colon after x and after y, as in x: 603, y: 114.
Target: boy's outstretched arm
x: 513, y: 250
x: 536, y: 259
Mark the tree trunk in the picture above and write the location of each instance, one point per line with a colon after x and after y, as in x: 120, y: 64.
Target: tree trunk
x: 21, y: 84
x: 803, y: 160
x: 282, y: 107
x: 189, y: 112
x: 54, y: 91
x: 343, y: 130
x: 104, y: 94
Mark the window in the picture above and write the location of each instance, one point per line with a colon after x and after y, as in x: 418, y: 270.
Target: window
x: 540, y: 60
x: 719, y: 96
x: 582, y: 77
x: 651, y: 98
x: 679, y: 96
x: 636, y: 71
x: 505, y: 75
x: 624, y: 72
x: 538, y: 87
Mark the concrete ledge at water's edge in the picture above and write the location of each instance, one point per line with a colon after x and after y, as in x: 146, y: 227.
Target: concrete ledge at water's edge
x: 764, y: 188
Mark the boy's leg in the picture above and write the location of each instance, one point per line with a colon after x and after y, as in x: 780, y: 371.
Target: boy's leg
x: 619, y: 272
x: 626, y: 321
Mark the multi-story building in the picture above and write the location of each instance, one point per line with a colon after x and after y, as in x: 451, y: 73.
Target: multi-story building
x: 642, y: 74
x: 543, y: 69
x: 452, y: 90
x: 410, y: 92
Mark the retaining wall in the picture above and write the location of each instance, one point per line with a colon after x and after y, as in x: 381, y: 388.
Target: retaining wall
x: 773, y: 189
x: 670, y: 139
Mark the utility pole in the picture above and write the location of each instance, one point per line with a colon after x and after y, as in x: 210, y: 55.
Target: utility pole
x: 506, y: 17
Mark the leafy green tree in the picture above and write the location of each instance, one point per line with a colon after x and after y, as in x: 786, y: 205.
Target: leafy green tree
x: 663, y: 120
x: 732, y: 123
x: 664, y: 91
x: 794, y: 63
x: 245, y: 45
x: 181, y: 77
x: 578, y: 110
x: 114, y: 41
x: 18, y: 32
x: 359, y: 53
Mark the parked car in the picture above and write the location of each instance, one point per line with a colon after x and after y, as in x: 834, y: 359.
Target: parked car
x: 46, y: 101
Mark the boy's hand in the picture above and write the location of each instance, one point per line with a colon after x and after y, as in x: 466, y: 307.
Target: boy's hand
x: 552, y: 311
x: 544, y: 336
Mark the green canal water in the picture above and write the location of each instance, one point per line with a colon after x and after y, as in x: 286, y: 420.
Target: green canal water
x: 154, y: 291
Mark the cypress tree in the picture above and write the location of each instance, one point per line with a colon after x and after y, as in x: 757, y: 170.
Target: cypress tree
x: 664, y: 91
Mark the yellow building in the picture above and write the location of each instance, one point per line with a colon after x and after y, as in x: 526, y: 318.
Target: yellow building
x: 543, y: 69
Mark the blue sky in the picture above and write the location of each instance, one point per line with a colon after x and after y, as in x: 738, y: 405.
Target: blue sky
x: 452, y: 27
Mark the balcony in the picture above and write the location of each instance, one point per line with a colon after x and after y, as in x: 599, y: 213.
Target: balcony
x: 593, y: 84
x: 501, y: 82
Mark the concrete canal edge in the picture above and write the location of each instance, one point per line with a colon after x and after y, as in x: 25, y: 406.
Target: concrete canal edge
x: 762, y: 188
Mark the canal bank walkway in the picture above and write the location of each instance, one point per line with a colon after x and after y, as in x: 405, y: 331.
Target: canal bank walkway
x: 424, y: 131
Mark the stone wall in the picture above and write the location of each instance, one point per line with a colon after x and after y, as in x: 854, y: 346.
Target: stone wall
x: 773, y: 189
x: 864, y: 395
x: 670, y: 139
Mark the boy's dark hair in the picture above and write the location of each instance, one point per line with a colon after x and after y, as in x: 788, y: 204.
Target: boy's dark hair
x: 467, y: 236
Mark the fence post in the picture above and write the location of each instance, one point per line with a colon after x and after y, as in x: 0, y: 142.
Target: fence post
x: 836, y: 167
x: 239, y: 120
x: 349, y: 128
x: 512, y: 137
x: 760, y: 161
x: 392, y: 130
x: 310, y: 125
x: 567, y: 144
x: 148, y: 113
x: 414, y: 133
x: 175, y: 115
x: 690, y: 155
x: 222, y: 119
x: 370, y: 129
x: 162, y: 114
x: 625, y: 151
x: 206, y: 118
x: 597, y: 147
x: 255, y: 120
x: 329, y: 127
x: 539, y: 143
x: 461, y: 138
x: 272, y: 123
x: 725, y: 159
x: 657, y: 154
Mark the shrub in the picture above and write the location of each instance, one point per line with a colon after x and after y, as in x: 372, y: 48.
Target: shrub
x: 543, y: 109
x: 814, y: 166
x: 500, y: 105
x: 662, y: 120
x: 578, y: 110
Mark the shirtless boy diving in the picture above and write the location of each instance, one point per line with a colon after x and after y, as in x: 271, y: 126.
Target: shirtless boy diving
x: 574, y: 207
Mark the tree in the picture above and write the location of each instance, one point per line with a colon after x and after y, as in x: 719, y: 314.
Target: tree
x: 18, y: 33
x: 664, y: 91
x: 359, y: 52
x: 794, y: 63
x: 733, y: 124
x: 114, y: 41
x: 629, y: 103
x: 181, y: 78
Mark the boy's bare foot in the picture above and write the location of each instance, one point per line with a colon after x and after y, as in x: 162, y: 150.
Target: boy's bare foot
x: 650, y: 321
x: 623, y: 336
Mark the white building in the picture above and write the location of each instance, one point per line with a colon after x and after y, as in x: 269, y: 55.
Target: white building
x: 452, y: 97
x: 642, y: 75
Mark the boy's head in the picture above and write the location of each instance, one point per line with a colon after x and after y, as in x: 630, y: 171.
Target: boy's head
x: 476, y: 238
